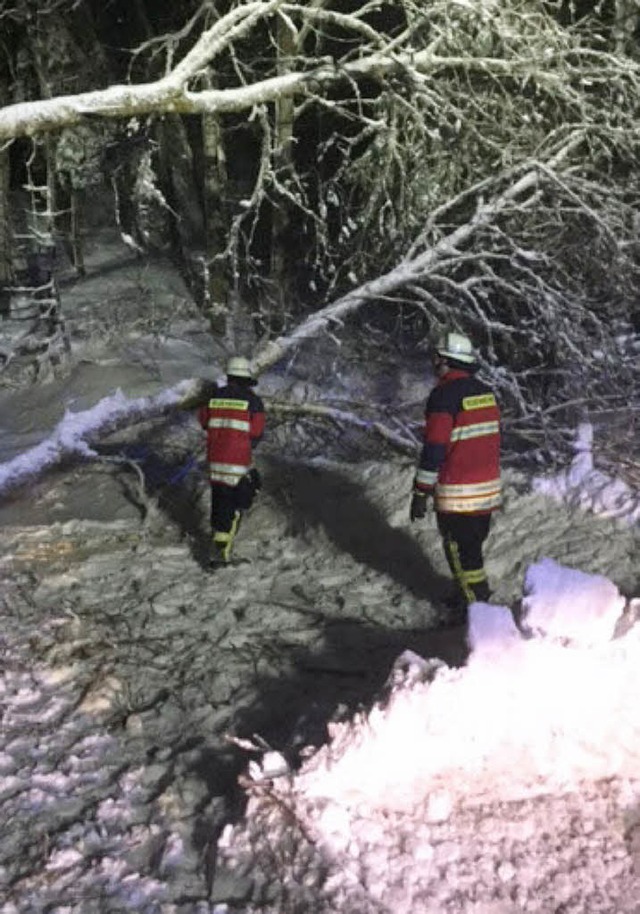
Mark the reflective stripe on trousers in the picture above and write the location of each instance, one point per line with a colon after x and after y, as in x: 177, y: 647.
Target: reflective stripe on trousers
x: 463, y: 536
x: 223, y: 540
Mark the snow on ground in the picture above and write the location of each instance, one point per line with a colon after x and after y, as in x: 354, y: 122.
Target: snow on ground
x: 136, y: 688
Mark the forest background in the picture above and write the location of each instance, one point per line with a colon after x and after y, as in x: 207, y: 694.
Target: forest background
x: 388, y: 168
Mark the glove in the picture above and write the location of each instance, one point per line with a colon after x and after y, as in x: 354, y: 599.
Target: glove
x: 247, y: 489
x: 418, y: 506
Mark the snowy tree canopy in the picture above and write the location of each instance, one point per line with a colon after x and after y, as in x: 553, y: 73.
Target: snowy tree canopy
x: 467, y: 164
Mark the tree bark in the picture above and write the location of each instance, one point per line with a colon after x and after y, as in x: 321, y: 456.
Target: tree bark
x: 6, y: 228
x: 6, y: 235
x: 76, y: 226
x: 217, y: 289
x: 177, y: 161
x: 283, y: 161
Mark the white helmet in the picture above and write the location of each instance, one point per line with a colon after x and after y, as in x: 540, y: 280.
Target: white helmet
x: 456, y: 346
x: 239, y: 367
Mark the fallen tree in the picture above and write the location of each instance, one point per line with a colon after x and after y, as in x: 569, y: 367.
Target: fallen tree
x: 75, y: 436
x: 493, y: 188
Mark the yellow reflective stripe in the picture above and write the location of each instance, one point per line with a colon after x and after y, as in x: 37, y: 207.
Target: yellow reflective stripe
x: 467, y: 505
x: 225, y: 540
x: 475, y: 576
x: 478, y: 430
x: 229, y: 473
x: 231, y: 481
x: 228, y: 467
x: 482, y: 401
x: 464, y: 498
x: 458, y: 571
x: 469, y: 488
x: 240, y: 425
x: 427, y: 477
x: 228, y: 404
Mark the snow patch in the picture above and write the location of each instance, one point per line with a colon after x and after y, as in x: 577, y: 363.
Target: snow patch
x: 583, y: 486
x: 566, y: 603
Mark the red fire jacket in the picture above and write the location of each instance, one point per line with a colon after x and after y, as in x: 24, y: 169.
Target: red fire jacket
x: 460, y: 460
x: 234, y: 420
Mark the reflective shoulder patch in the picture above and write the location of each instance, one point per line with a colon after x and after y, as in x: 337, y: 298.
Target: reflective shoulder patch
x: 482, y: 401
x: 228, y: 404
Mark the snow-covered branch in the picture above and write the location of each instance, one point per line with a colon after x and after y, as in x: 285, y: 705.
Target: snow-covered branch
x: 415, y: 268
x: 379, y: 56
x: 342, y: 418
x: 75, y: 433
x: 237, y: 23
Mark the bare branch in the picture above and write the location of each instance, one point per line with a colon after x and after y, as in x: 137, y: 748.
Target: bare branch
x: 340, y: 417
x: 412, y: 269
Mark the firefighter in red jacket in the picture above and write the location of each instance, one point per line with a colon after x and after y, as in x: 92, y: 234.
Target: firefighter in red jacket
x: 234, y: 420
x: 460, y: 465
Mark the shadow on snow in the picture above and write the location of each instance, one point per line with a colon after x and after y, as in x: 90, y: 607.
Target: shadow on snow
x: 322, y: 498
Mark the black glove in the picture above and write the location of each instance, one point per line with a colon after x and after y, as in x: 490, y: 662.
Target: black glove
x: 418, y: 506
x: 247, y: 489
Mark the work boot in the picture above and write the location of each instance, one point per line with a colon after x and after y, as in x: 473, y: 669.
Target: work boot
x: 452, y: 612
x: 481, y: 592
x: 452, y: 617
x: 217, y: 556
x: 455, y: 601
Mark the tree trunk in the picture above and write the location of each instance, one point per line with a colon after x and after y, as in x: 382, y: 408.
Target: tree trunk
x: 44, y: 197
x: 283, y: 161
x: 176, y: 167
x: 217, y: 286
x: 76, y: 208
x: 5, y: 222
x: 627, y: 17
x: 6, y: 235
x: 176, y: 162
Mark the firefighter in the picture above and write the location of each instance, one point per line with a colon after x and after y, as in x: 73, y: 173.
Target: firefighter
x: 460, y: 466
x: 234, y: 420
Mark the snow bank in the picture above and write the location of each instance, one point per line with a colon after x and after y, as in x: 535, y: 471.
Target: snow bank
x: 533, y: 714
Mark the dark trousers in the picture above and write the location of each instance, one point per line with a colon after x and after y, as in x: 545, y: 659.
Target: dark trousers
x: 227, y: 505
x: 463, y: 536
x: 223, y: 507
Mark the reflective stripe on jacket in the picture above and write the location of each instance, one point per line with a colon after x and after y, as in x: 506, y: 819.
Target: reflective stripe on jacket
x: 460, y: 460
x: 234, y: 420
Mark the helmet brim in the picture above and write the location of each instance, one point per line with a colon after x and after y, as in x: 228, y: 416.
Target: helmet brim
x: 461, y: 358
